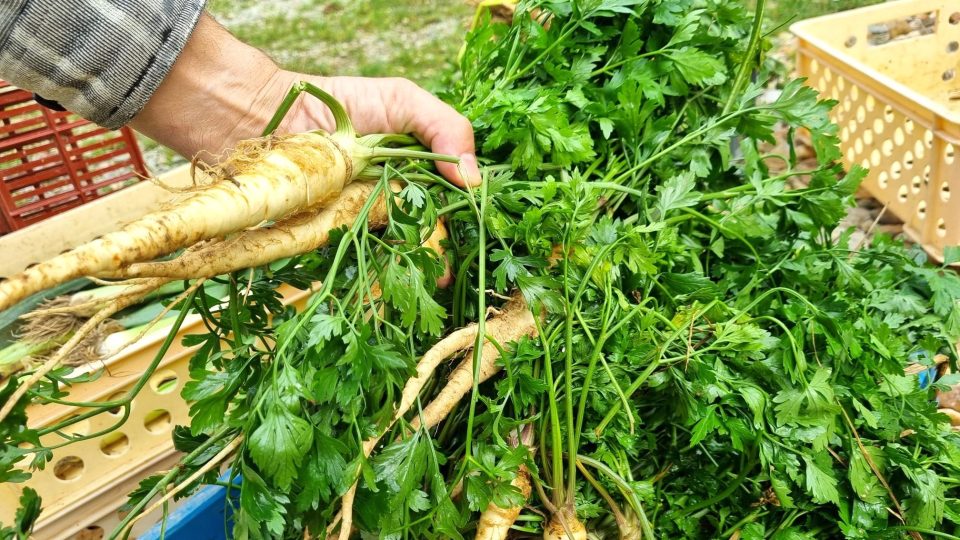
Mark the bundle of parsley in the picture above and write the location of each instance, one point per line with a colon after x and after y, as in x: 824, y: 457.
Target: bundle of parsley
x: 707, y: 362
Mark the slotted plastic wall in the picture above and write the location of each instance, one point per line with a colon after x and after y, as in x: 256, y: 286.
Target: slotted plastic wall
x: 893, y: 69
x: 52, y: 161
x: 85, y: 483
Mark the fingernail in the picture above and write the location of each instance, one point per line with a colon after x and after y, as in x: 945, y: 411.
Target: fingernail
x: 469, y: 170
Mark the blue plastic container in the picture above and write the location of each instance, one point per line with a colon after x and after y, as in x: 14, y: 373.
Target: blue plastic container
x: 203, y: 516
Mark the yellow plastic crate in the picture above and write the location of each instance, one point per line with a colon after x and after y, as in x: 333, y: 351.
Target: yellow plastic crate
x: 894, y: 68
x: 85, y: 483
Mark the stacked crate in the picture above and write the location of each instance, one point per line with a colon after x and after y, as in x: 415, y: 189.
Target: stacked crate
x: 51, y: 161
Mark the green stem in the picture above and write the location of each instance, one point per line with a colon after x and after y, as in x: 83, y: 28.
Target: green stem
x: 72, y: 439
x: 621, y: 395
x: 720, y: 227
x: 167, y: 478
x: 642, y: 166
x: 752, y: 516
x: 481, y: 314
x: 615, y: 407
x: 931, y: 532
x: 453, y: 207
x: 341, y: 119
x: 625, y: 489
x: 572, y: 436
x: 382, y: 153
x: 555, y: 439
x: 588, y: 379
x: 686, y: 139
x: 742, y: 188
x: 747, y: 66
x: 12, y: 356
x: 328, y: 282
x: 100, y: 406
x: 618, y: 63
x: 574, y: 24
x: 727, y: 491
x: 613, y: 186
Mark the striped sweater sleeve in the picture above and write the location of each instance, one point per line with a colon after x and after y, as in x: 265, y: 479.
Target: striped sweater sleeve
x: 101, y: 59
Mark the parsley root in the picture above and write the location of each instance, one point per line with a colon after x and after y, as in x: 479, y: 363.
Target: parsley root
x: 435, y: 242
x: 267, y: 179
x: 495, y: 522
x: 295, y: 235
x: 289, y: 175
x: 511, y: 324
x: 564, y: 525
x: 445, y: 348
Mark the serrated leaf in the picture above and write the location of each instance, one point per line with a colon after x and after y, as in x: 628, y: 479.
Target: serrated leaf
x: 820, y: 481
x: 323, y: 327
x: 951, y: 254
x: 698, y: 67
x: 262, y: 511
x: 414, y: 194
x: 862, y: 478
x: 279, y: 444
x: 756, y: 399
x: 677, y: 192
x: 782, y: 489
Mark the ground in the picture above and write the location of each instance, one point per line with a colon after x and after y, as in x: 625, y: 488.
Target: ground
x: 418, y: 40
x: 406, y: 38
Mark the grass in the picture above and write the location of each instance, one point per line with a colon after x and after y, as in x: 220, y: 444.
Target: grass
x: 784, y: 12
x: 372, y: 38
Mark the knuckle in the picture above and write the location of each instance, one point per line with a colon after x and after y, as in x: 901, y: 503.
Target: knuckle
x: 463, y: 124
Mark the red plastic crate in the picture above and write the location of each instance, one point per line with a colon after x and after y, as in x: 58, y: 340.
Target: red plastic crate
x: 52, y: 161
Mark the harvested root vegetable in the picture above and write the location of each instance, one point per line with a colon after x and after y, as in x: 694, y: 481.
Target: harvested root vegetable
x: 512, y: 323
x: 295, y: 235
x: 279, y: 177
x: 952, y: 414
x: 264, y: 180
x: 123, y: 299
x: 564, y: 525
x: 434, y: 242
x: 495, y: 522
x: 628, y: 524
x: 631, y: 528
x: 949, y: 399
x: 500, y: 10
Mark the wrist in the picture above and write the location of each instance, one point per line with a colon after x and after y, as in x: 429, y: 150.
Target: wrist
x: 214, y: 95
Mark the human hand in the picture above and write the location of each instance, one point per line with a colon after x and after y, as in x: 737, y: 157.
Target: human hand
x: 221, y: 91
x: 385, y: 105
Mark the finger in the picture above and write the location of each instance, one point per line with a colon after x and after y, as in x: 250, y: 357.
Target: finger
x: 438, y: 126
